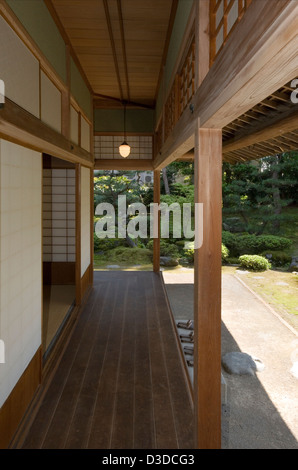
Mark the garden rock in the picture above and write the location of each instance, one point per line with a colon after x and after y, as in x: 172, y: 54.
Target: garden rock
x: 294, y: 264
x: 239, y: 363
x: 168, y: 261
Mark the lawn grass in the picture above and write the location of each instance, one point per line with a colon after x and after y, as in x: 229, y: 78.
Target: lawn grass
x: 279, y: 289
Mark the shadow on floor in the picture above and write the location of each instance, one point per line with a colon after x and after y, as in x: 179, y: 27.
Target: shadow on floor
x: 250, y: 420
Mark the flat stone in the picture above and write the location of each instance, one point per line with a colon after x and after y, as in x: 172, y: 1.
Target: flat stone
x: 168, y: 261
x: 113, y: 266
x: 239, y: 363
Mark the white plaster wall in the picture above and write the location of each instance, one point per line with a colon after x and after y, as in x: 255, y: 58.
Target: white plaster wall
x: 50, y: 103
x: 85, y: 219
x: 74, y: 125
x: 85, y: 134
x: 20, y: 258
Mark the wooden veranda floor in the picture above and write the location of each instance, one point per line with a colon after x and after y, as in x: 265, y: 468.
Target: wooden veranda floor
x: 120, y: 383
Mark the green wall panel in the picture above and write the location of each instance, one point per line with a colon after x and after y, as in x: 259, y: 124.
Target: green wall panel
x: 180, y: 23
x: 79, y: 89
x: 112, y: 120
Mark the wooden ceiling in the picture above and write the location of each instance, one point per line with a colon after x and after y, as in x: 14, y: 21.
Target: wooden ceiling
x: 269, y: 128
x: 120, y: 44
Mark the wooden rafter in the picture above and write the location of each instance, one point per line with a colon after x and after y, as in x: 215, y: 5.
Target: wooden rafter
x: 111, y: 35
x: 123, y: 47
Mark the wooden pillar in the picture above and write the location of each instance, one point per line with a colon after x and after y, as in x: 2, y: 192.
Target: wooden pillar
x: 91, y: 225
x: 65, y: 120
x: 207, y: 290
x: 78, y: 235
x: 156, y: 222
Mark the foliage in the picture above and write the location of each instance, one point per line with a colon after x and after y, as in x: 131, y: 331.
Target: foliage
x: 278, y: 258
x: 231, y: 260
x: 105, y: 244
x: 175, y: 169
x: 188, y: 252
x: 253, y: 244
x: 254, y: 263
x: 263, y: 188
x: 109, y: 185
x: 181, y: 194
x: 224, y: 252
x: 166, y: 248
x: 127, y: 255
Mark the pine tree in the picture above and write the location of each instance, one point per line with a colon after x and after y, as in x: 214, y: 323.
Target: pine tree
x: 258, y: 192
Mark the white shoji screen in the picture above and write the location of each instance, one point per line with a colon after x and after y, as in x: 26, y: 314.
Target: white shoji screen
x: 107, y: 147
x: 59, y: 215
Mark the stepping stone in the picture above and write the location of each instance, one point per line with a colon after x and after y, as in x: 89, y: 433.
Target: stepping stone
x: 239, y: 363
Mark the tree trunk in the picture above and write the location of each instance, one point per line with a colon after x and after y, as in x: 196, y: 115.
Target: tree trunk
x: 276, y: 197
x: 165, y: 181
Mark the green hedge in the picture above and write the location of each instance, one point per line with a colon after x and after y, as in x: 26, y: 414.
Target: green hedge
x: 166, y: 248
x: 254, y: 244
x: 254, y: 263
x: 278, y: 258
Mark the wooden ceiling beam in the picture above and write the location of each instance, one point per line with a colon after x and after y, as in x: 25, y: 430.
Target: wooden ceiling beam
x: 118, y: 103
x: 123, y: 164
x: 166, y: 46
x: 116, y: 64
x: 259, y: 56
x: 123, y: 47
x: 67, y: 41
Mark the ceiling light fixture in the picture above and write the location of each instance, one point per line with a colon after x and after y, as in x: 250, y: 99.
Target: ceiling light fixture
x: 124, y: 148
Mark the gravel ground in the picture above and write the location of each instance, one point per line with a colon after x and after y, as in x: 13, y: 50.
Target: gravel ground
x: 262, y: 410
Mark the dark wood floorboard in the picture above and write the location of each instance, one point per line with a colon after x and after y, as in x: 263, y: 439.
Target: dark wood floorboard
x: 120, y: 383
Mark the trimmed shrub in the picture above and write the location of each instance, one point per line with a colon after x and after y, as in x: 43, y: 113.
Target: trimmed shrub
x: 166, y: 249
x: 254, y: 262
x: 224, y: 252
x: 229, y: 239
x: 232, y: 260
x: 189, y: 253
x: 105, y: 244
x: 254, y: 244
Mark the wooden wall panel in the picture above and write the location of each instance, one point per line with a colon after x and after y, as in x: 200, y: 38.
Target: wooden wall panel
x: 14, y: 408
